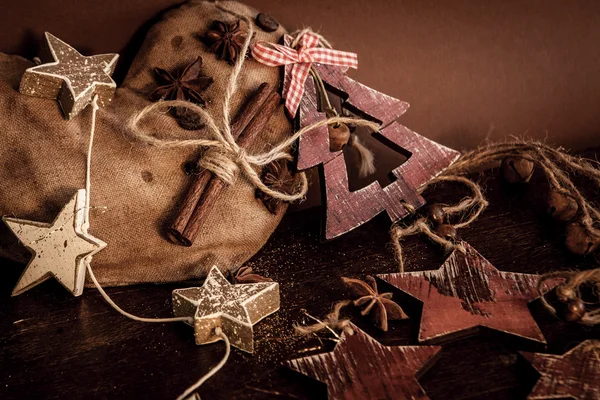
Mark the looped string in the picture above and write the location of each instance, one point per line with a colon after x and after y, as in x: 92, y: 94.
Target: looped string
x: 297, y: 35
x: 332, y: 322
x: 555, y: 163
x: 86, y: 226
x: 223, y: 157
x: 569, y: 290
x: 475, y: 203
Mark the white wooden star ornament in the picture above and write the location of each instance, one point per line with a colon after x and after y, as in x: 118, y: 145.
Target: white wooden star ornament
x: 69, y: 77
x: 233, y: 308
x: 61, y: 249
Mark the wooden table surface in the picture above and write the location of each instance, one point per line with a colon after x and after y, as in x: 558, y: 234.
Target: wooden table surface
x: 55, y: 346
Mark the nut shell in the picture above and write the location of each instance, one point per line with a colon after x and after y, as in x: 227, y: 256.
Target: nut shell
x: 574, y: 310
x: 560, y: 206
x: 446, y: 231
x: 436, y: 213
x: 517, y: 169
x: 339, y: 135
x: 579, y: 240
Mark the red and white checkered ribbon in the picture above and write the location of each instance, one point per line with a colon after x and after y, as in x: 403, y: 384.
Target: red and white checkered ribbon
x: 301, y: 59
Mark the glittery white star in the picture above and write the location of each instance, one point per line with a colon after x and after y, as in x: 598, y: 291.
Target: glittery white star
x: 70, y: 77
x: 233, y: 308
x: 61, y: 249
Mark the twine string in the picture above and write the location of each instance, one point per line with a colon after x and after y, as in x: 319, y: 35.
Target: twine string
x: 86, y: 226
x: 332, y: 322
x: 476, y: 203
x: 107, y: 298
x: 223, y: 156
x: 569, y: 290
x: 214, y: 370
x: 556, y: 164
x: 110, y: 301
x: 88, y: 166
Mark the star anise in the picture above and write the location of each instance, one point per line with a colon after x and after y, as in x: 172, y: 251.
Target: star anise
x: 372, y: 302
x: 227, y: 40
x: 185, y: 84
x: 276, y: 176
x: 245, y: 275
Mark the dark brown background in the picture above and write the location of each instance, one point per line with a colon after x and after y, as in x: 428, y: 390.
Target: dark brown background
x: 469, y: 69
x: 465, y: 67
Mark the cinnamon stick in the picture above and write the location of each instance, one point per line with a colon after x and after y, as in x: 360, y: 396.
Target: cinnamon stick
x: 177, y: 227
x: 216, y: 186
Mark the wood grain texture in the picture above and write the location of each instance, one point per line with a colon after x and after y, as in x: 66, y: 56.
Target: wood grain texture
x: 359, y: 367
x: 53, y: 343
x: 345, y: 209
x: 313, y: 146
x: 467, y: 292
x: 574, y: 375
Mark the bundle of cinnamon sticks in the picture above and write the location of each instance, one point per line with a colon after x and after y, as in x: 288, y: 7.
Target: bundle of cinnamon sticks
x: 206, y: 188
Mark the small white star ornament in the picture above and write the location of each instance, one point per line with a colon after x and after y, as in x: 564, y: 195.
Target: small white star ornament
x: 233, y: 308
x: 61, y: 249
x: 69, y: 77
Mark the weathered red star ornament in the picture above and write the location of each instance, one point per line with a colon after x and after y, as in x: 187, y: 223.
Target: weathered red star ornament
x: 468, y: 292
x: 359, y: 367
x: 574, y: 375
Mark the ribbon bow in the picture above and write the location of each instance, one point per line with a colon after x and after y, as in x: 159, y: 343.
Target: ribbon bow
x: 301, y: 59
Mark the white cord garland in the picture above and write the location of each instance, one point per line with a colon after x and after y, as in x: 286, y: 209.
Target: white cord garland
x: 214, y: 370
x: 224, y: 163
x: 85, y: 227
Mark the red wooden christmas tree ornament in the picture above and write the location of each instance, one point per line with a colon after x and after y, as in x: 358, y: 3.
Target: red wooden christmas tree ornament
x: 359, y: 367
x: 346, y: 210
x: 468, y: 292
x: 574, y: 375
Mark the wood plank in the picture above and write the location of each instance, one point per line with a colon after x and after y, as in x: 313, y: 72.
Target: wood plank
x: 56, y: 346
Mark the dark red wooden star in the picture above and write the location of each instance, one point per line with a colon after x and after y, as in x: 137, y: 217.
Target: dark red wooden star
x: 346, y: 210
x: 468, y: 292
x: 359, y: 367
x: 574, y: 375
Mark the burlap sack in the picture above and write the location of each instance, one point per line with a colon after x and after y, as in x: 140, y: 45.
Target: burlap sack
x: 43, y: 161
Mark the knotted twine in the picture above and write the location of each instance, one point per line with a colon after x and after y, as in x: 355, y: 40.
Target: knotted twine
x: 223, y: 156
x: 556, y: 164
x: 332, y: 322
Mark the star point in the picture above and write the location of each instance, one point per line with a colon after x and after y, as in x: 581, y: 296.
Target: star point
x: 61, y: 249
x: 468, y: 292
x: 233, y: 308
x: 575, y: 374
x: 359, y: 367
x: 70, y: 77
